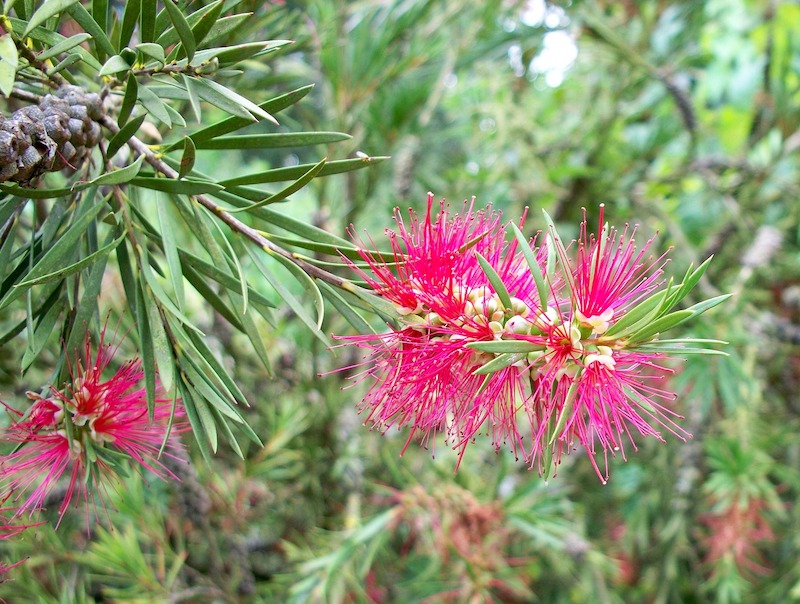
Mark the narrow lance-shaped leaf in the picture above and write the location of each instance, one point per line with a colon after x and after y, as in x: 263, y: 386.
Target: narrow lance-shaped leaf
x: 124, y: 135
x: 90, y: 26
x: 182, y: 27
x: 497, y: 283
x: 338, y: 166
x: 288, y: 297
x: 198, y: 426
x: 194, y: 96
x: 64, y: 46
x: 232, y: 124
x: 47, y: 10
x: 154, y: 105
x: 129, y: 19
x: 152, y: 51
x: 188, y: 158
x: 272, y: 141
x: 66, y: 271
x: 123, y: 175
x: 8, y: 64
x: 61, y: 250
x: 533, y: 266
x: 503, y: 346
x: 230, y: 101
x: 146, y: 347
x: 170, y: 248
x: 286, y: 191
x: 147, y: 20
x: 68, y: 61
x: 344, y: 308
x: 501, y: 361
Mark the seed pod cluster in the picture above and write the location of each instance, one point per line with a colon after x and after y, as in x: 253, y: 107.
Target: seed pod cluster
x: 58, y: 132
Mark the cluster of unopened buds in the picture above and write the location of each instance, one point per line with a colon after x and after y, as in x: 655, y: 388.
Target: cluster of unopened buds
x: 543, y: 347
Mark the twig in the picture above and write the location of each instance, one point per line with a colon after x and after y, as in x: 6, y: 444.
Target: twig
x: 238, y: 226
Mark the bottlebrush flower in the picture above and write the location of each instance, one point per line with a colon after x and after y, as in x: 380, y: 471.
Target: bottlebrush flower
x: 544, y: 351
x: 83, y: 431
x: 423, y: 371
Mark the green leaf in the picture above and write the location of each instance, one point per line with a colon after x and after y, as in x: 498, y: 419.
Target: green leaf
x: 503, y: 346
x: 345, y: 309
x: 100, y: 13
x: 193, y: 97
x: 175, y: 117
x: 561, y: 255
x: 143, y: 302
x: 208, y: 391
x: 147, y: 27
x: 230, y: 101
x: 8, y: 64
x: 170, y: 247
x: 49, y: 9
x: 124, y: 135
x: 188, y: 158
x: 217, y: 303
x: 701, y: 307
x: 154, y: 105
x: 61, y: 273
x: 86, y: 307
x: 206, y: 357
x: 129, y: 19
x: 286, y: 191
x: 42, y: 333
x: 123, y: 175
x: 153, y: 51
x: 501, y: 361
x: 115, y: 64
x: 90, y: 26
x: 239, y: 52
x: 644, y: 312
x: 295, y: 305
x: 198, y: 427
x: 661, y: 325
x: 272, y: 141
x: 61, y: 251
x: 162, y: 351
x: 226, y: 25
x: 64, y: 46
x: 533, y: 266
x: 225, y: 279
x: 204, y: 19
x: 182, y: 27
x: 309, y: 285
x: 128, y: 101
x: 68, y: 61
x: 232, y: 124
x: 495, y: 280
x: 170, y: 185
x: 294, y: 172
x: 50, y: 38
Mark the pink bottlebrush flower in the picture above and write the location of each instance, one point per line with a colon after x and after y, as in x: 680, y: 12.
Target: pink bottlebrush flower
x: 611, y: 275
x: 83, y: 431
x: 515, y: 341
x: 423, y: 371
x: 591, y: 389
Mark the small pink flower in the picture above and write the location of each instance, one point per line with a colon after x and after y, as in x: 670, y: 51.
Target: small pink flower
x: 83, y: 431
x: 611, y: 275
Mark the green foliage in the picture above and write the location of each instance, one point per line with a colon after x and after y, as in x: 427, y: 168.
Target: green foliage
x: 213, y: 234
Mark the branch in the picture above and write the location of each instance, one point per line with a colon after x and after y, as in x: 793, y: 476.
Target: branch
x: 234, y: 223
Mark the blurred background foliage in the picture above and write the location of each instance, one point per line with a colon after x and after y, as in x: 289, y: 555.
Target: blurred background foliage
x: 682, y: 117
